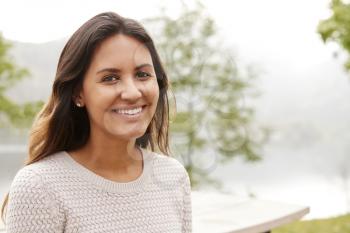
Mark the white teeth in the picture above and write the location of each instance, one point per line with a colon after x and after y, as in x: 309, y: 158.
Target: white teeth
x: 128, y: 111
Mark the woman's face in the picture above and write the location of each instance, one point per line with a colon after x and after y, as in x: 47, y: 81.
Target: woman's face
x: 120, y: 89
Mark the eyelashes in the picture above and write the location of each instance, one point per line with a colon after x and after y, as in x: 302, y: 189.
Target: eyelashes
x: 114, y: 78
x: 110, y: 78
x: 143, y: 74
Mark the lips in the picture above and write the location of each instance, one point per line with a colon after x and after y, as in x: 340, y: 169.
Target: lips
x: 129, y: 110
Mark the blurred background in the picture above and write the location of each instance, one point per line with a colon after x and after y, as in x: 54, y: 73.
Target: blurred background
x: 262, y: 90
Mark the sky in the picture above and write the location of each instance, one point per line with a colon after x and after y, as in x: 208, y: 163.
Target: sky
x: 40, y: 20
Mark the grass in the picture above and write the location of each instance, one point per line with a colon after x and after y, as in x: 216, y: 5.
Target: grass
x: 339, y: 224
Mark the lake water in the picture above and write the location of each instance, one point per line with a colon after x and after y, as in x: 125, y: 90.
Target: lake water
x: 297, y: 178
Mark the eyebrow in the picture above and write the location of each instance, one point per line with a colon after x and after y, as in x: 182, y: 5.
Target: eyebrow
x: 115, y: 70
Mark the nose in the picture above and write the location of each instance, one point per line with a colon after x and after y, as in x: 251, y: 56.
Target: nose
x: 130, y: 91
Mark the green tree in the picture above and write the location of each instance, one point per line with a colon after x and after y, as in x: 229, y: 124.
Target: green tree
x: 212, y: 124
x: 337, y: 27
x: 11, y: 113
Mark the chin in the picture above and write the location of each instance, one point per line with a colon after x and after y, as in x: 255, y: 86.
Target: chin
x: 129, y: 135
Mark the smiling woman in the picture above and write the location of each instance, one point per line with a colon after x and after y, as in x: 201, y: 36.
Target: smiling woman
x: 92, y: 164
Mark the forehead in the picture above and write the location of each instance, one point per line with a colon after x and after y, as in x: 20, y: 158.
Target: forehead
x: 120, y: 50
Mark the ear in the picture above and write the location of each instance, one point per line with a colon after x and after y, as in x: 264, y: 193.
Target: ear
x: 77, y: 98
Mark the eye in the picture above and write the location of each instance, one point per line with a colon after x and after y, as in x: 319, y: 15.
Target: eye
x: 142, y: 74
x: 110, y: 78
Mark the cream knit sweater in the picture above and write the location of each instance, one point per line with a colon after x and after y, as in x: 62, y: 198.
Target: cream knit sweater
x: 57, y: 194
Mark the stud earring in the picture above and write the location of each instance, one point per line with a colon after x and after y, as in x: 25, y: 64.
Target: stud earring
x: 78, y: 104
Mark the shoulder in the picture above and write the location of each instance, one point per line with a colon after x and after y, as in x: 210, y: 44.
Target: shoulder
x: 168, y: 163
x: 168, y: 170
x: 25, y: 178
x: 36, y: 173
x: 32, y: 201
x: 28, y: 186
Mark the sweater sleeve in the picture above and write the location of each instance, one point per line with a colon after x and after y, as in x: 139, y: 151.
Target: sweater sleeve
x: 187, y: 206
x: 31, y: 207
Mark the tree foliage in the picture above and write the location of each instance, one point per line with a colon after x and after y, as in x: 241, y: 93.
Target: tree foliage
x: 212, y: 124
x: 11, y: 113
x: 337, y: 27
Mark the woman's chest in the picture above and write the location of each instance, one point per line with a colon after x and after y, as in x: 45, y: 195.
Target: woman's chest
x: 152, y: 211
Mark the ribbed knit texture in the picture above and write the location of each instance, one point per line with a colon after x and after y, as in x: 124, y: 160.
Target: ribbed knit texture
x: 57, y: 194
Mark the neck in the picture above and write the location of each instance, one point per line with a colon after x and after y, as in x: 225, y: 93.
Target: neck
x: 107, y: 154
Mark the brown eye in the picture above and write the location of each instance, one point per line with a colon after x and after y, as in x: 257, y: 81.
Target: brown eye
x: 110, y: 78
x: 142, y: 74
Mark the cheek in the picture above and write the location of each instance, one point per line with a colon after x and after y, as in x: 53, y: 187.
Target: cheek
x: 156, y: 90
x: 98, y: 100
x: 151, y: 90
x: 98, y: 94
x: 155, y: 93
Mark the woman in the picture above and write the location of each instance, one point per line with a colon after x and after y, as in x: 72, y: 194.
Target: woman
x: 89, y: 167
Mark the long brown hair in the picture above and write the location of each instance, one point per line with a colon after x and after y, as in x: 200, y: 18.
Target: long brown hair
x: 61, y: 125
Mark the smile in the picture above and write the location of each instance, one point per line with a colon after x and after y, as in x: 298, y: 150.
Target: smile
x: 133, y: 111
